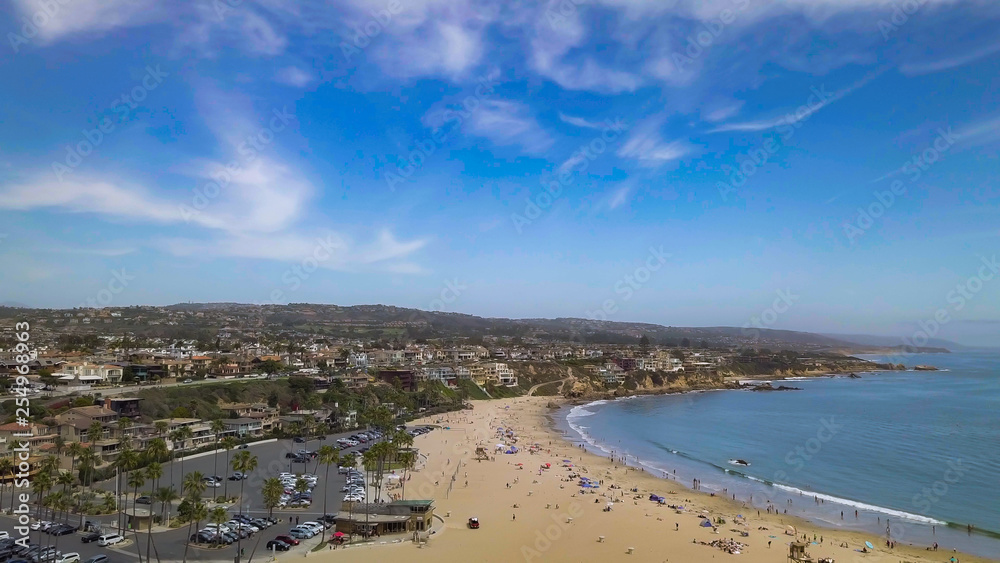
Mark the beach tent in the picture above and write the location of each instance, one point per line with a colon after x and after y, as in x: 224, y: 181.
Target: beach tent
x: 790, y: 530
x: 706, y: 524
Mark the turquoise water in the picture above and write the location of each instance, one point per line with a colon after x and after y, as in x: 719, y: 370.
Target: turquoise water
x: 920, y: 450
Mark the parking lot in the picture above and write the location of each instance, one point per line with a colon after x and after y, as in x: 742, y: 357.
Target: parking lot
x: 169, y: 545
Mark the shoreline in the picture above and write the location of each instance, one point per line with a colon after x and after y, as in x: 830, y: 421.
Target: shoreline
x: 573, y: 437
x: 531, y: 507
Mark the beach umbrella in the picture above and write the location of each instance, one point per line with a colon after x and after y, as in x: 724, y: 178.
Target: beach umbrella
x: 869, y: 545
x: 338, y: 534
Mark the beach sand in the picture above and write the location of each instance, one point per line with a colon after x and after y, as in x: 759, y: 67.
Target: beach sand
x: 537, y: 529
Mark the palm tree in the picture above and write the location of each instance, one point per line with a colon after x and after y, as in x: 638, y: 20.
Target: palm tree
x: 198, y: 513
x: 217, y: 427
x: 272, y: 491
x: 40, y: 483
x: 165, y: 496
x: 228, y: 443
x: 154, y: 471
x: 218, y: 516
x: 87, y: 461
x: 7, y: 469
x: 161, y: 427
x: 408, y: 460
x: 328, y: 455
x: 245, y: 463
x: 136, y: 480
x: 157, y: 450
x: 110, y: 504
x: 194, y: 485
x: 126, y: 462
x: 182, y: 435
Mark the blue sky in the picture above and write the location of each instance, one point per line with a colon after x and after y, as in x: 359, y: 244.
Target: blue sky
x: 409, y: 165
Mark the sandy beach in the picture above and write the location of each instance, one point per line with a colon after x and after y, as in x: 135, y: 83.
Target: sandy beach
x: 533, y: 514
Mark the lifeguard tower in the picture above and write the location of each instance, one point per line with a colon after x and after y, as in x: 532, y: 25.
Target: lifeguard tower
x: 797, y: 553
x: 482, y: 454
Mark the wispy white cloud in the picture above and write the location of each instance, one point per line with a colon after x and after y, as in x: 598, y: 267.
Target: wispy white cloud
x: 619, y: 197
x: 646, y: 145
x: 580, y: 122
x: 817, y: 99
x: 508, y: 123
x: 939, y: 65
x: 294, y: 76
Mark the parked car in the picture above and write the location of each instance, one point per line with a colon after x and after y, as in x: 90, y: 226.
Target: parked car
x: 144, y: 499
x: 243, y: 446
x: 108, y: 540
x: 98, y: 559
x: 90, y: 537
x: 71, y: 557
x: 277, y: 545
x: 301, y: 533
x: 287, y: 539
x: 299, y: 440
x: 187, y: 381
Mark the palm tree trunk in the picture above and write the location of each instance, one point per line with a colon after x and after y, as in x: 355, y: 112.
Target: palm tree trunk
x: 187, y: 541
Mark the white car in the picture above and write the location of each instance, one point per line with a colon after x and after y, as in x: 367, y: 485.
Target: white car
x: 353, y: 498
x: 4, y: 535
x: 109, y: 540
x: 314, y: 526
x: 218, y: 528
x: 212, y: 483
x: 71, y: 557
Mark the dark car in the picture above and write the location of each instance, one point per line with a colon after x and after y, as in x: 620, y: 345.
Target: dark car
x: 291, y: 455
x: 298, y: 440
x: 244, y: 446
x: 328, y: 518
x: 278, y: 545
x: 63, y: 529
x: 91, y: 537
x: 98, y: 559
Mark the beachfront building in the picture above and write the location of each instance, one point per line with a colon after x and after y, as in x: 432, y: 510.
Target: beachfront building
x: 500, y: 373
x: 396, y: 517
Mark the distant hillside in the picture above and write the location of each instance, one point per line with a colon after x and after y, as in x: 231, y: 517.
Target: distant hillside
x: 373, y: 322
x: 893, y: 341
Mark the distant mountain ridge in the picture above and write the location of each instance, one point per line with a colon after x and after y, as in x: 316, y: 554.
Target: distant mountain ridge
x: 362, y: 320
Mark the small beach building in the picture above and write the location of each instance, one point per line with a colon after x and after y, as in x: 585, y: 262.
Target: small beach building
x: 396, y: 517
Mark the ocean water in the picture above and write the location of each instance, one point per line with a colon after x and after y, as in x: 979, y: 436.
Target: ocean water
x: 919, y: 451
